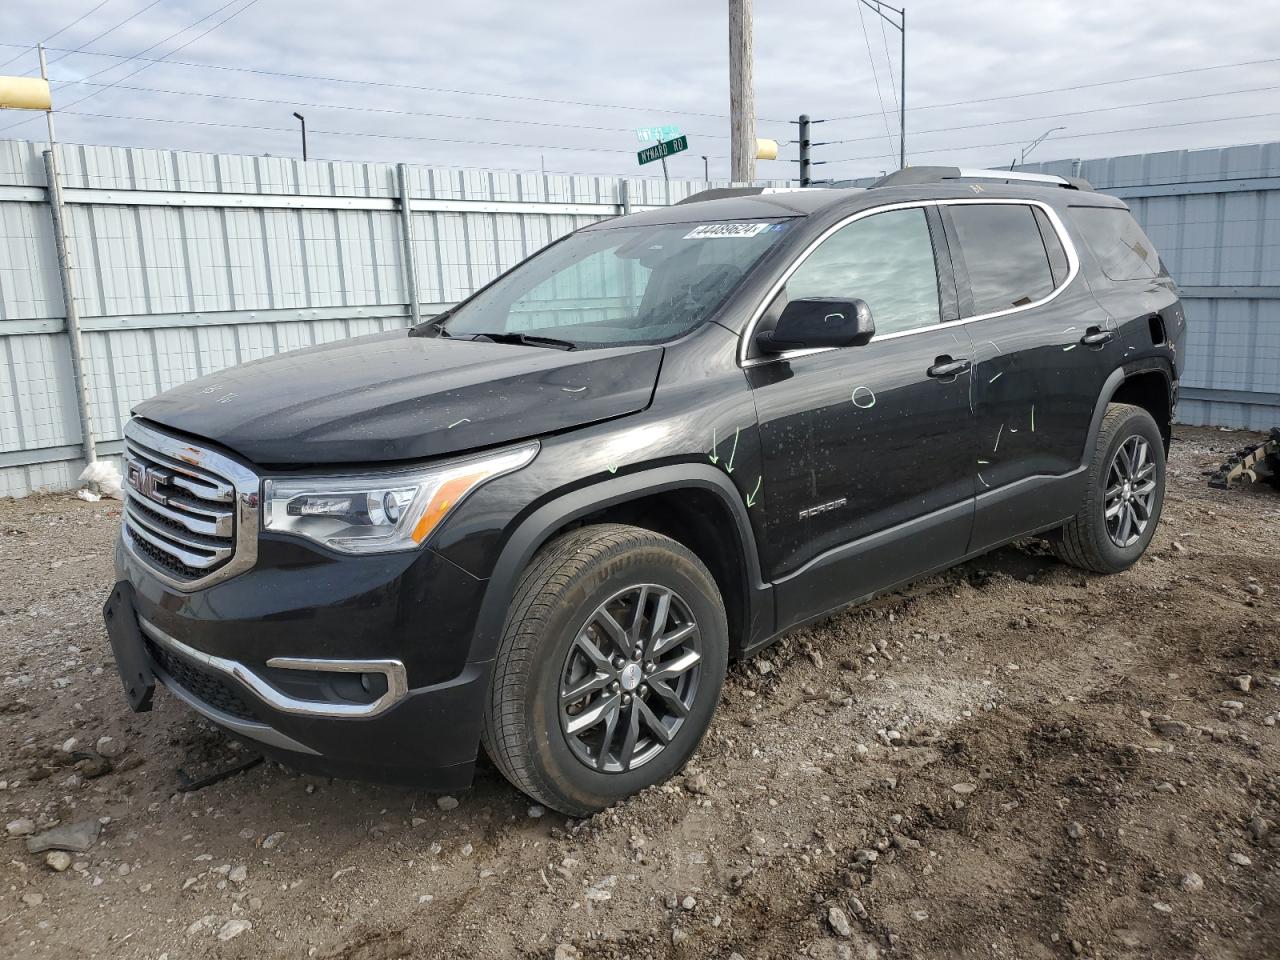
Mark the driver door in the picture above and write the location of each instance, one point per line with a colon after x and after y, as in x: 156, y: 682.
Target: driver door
x: 869, y: 449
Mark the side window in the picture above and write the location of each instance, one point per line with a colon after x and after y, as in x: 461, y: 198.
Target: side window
x: 885, y: 259
x: 1122, y: 249
x: 1005, y: 257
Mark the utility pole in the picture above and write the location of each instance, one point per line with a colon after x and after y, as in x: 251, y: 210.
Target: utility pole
x: 742, y: 106
x: 303, y: 121
x: 806, y: 176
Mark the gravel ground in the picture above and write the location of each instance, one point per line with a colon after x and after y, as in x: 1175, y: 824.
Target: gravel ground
x: 1013, y: 759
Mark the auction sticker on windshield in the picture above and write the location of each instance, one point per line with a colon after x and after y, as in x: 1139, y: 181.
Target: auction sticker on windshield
x: 716, y: 231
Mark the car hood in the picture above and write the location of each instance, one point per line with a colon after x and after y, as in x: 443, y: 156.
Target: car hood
x: 395, y: 397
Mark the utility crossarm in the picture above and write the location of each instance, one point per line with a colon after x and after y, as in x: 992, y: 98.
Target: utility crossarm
x: 917, y: 175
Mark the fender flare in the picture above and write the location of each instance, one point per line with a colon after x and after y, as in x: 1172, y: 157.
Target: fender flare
x: 534, y: 531
x: 1109, y: 388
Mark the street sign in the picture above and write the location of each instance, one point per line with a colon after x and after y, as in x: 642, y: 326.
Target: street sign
x: 657, y: 134
x: 662, y: 150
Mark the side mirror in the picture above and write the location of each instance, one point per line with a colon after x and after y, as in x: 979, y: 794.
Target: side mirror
x: 819, y: 322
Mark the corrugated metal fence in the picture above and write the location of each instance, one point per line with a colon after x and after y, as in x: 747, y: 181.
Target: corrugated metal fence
x: 1214, y: 215
x: 186, y: 263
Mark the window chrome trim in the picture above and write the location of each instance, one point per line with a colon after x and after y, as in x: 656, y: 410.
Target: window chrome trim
x: 393, y: 670
x: 1073, y: 269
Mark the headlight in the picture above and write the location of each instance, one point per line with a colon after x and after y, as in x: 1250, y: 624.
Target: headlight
x: 382, y: 512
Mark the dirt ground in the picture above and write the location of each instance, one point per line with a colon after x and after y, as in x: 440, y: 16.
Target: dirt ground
x: 1013, y: 759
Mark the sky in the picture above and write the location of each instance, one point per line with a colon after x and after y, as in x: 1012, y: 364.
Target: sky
x: 561, y: 85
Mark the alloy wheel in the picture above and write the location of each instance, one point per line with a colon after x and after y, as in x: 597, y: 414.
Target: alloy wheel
x: 630, y: 678
x: 1131, y: 492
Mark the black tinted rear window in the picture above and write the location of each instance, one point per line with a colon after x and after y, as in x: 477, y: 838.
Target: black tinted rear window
x: 1122, y: 249
x: 1004, y: 255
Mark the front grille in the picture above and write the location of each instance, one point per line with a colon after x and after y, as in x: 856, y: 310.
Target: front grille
x: 205, y: 686
x: 178, y: 517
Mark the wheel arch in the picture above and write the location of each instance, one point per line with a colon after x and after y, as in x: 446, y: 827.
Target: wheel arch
x: 694, y: 504
x: 1147, y: 384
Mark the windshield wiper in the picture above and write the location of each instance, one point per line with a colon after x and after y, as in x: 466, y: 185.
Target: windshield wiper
x: 527, y: 340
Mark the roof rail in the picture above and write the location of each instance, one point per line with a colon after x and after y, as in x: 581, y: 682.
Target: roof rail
x: 915, y: 175
x: 719, y: 193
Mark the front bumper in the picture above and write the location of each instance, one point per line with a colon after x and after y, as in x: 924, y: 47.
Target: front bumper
x: 277, y: 655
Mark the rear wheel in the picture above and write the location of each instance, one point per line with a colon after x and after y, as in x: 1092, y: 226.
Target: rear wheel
x: 609, y: 669
x: 1124, y: 497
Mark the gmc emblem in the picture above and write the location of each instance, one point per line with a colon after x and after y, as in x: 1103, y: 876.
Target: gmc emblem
x: 147, y: 480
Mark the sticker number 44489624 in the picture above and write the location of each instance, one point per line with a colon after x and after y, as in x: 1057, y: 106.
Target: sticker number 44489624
x: 718, y: 231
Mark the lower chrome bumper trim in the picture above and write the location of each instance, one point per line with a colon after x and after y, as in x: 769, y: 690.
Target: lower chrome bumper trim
x: 393, y: 670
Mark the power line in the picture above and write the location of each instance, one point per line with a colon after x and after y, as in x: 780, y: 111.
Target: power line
x: 151, y: 62
x: 159, y: 42
x: 25, y: 49
x: 109, y: 30
x: 348, y: 133
x: 1058, y: 116
x: 875, y: 75
x: 888, y: 59
x: 358, y: 133
x: 425, y: 89
x: 387, y: 110
x: 1073, y: 136
x: 717, y: 116
x: 1078, y: 86
x: 77, y: 20
x: 87, y: 13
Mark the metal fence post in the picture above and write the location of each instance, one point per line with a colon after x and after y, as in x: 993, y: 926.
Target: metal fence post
x: 806, y: 158
x: 624, y: 196
x: 406, y: 231
x: 71, y: 310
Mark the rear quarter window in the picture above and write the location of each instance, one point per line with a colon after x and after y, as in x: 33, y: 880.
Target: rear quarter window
x: 1121, y: 248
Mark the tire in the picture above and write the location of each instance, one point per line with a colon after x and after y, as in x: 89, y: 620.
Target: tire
x: 542, y: 660
x: 1087, y: 541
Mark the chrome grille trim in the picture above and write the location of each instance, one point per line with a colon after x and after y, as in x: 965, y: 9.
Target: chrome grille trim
x: 191, y: 515
x: 199, y: 525
x: 206, y: 558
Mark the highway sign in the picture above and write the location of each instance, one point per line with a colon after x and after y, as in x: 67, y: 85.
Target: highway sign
x: 662, y: 150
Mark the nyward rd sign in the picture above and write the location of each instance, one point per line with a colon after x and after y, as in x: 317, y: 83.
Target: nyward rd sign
x: 664, y: 149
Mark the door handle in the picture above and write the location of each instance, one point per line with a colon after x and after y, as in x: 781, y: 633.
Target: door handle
x: 944, y: 367
x: 1096, y: 337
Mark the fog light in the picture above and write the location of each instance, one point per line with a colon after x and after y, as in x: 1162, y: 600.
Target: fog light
x: 374, y: 684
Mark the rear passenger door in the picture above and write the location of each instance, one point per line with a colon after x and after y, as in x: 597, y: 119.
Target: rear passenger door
x: 1043, y: 348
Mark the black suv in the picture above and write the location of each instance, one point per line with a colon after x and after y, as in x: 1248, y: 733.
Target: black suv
x: 546, y: 520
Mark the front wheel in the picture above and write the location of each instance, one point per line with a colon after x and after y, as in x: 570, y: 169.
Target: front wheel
x: 609, y: 669
x: 1124, y: 497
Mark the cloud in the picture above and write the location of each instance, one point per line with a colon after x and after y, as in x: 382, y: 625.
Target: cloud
x: 667, y: 62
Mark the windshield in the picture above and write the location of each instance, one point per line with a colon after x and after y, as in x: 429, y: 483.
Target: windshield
x: 641, y: 284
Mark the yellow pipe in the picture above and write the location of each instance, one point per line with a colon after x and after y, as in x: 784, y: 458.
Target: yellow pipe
x: 24, y: 93
x: 766, y: 149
